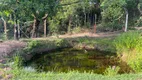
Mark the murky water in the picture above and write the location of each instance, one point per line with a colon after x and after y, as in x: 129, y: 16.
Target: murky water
x: 65, y: 60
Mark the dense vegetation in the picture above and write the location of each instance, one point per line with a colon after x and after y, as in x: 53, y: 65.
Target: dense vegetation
x: 41, y: 18
x: 24, y: 19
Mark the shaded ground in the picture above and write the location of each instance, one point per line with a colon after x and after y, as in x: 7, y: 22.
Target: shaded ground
x: 8, y: 47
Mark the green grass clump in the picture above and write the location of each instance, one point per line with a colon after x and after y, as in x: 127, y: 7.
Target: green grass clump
x: 74, y: 75
x: 129, y: 46
x: 129, y: 41
x: 112, y: 71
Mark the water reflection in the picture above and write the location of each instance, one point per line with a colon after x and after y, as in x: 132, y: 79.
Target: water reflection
x: 73, y: 59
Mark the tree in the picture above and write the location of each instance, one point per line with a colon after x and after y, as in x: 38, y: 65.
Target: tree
x: 5, y: 28
x: 24, y: 10
x: 69, y: 11
x: 113, y: 12
x: 40, y: 11
x: 4, y: 14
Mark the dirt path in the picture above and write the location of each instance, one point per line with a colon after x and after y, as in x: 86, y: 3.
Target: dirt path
x: 89, y: 34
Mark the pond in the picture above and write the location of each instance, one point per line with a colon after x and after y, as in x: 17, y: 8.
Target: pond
x: 70, y: 59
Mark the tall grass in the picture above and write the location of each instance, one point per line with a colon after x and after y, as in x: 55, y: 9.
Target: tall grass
x: 129, y: 41
x: 112, y: 71
x: 129, y: 46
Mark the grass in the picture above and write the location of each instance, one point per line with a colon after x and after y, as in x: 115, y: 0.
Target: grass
x: 112, y: 71
x: 73, y: 75
x: 129, y: 48
x: 129, y: 41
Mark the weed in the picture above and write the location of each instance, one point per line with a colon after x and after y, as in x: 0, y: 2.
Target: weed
x: 129, y: 46
x: 128, y: 42
x: 112, y: 71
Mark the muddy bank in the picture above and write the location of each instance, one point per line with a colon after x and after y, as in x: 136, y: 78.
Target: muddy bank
x: 7, y: 48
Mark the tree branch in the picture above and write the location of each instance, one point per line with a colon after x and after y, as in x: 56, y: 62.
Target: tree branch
x: 46, y: 15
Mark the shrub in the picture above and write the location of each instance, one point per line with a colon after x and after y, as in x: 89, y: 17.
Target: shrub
x: 32, y: 44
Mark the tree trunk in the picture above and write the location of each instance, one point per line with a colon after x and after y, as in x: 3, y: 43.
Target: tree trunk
x: 18, y: 30
x: 95, y: 23
x: 5, y: 29
x: 45, y: 28
x: 69, y: 26
x: 15, y: 31
x: 34, y: 27
x: 85, y: 18
x: 126, y: 23
x: 44, y: 24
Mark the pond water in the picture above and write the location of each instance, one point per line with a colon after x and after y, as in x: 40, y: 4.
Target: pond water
x: 64, y: 60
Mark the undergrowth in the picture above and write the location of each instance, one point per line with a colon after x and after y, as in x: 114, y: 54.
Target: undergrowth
x: 129, y: 48
x: 129, y: 41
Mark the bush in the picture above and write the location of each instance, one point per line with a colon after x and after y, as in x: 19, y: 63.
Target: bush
x: 32, y: 44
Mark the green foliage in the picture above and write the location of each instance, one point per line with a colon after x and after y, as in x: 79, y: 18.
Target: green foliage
x: 129, y: 41
x: 35, y: 46
x: 112, y: 13
x: 74, y: 75
x: 64, y: 15
x: 129, y: 45
x: 112, y: 71
x: 112, y: 9
x: 139, y: 22
x: 18, y: 61
x: 54, y: 25
x: 3, y: 37
x: 76, y: 30
x: 136, y: 63
x: 110, y: 26
x: 32, y: 44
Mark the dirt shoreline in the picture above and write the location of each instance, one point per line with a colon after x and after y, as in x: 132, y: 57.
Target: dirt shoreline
x: 8, y: 47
